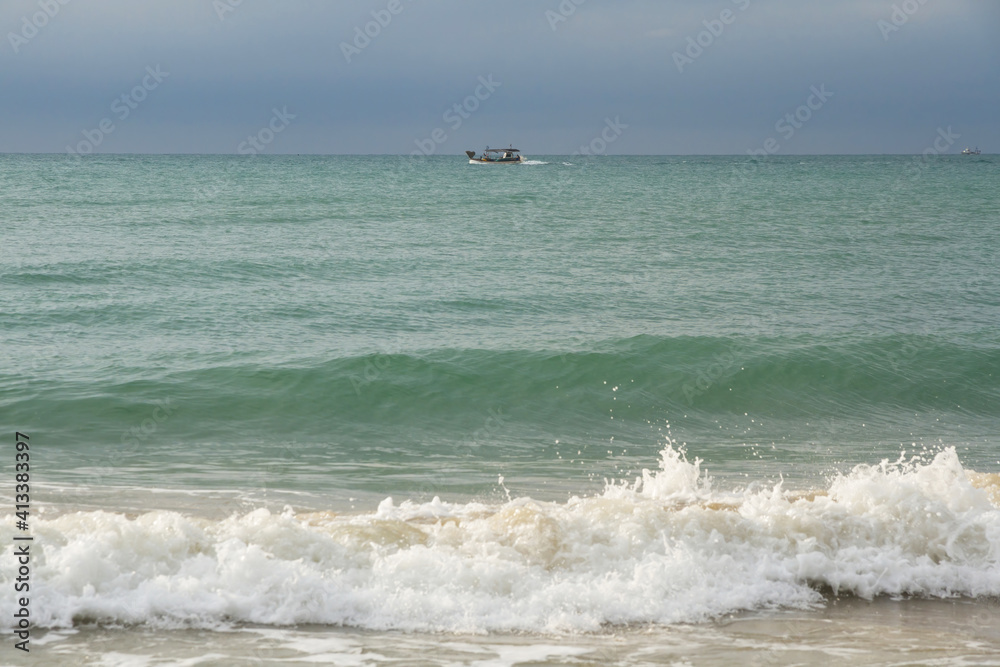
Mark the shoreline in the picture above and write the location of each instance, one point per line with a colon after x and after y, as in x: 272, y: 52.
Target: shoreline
x: 878, y: 632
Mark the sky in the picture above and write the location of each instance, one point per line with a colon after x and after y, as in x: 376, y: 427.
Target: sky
x: 550, y: 76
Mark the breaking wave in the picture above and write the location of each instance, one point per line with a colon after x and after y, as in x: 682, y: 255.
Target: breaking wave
x: 667, y: 547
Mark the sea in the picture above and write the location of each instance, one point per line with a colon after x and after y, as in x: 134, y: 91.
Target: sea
x: 584, y: 410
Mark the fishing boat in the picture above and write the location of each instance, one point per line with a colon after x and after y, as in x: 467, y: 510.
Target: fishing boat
x: 969, y: 151
x: 496, y: 155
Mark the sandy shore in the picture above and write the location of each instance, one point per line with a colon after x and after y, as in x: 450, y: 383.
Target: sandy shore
x: 881, y: 632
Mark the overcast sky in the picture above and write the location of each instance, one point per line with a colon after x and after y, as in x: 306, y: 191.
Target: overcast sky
x: 625, y: 76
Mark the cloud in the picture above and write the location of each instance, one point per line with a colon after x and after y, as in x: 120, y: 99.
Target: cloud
x: 560, y: 81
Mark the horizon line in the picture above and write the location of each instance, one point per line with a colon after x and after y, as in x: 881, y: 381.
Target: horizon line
x: 451, y: 155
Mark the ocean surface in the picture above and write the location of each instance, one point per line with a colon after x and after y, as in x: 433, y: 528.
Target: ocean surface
x: 387, y: 410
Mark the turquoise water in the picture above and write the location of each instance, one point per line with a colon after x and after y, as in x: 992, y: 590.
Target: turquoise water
x: 360, y: 322
x: 217, y: 335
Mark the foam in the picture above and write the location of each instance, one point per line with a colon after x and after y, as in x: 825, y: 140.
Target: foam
x: 665, y: 548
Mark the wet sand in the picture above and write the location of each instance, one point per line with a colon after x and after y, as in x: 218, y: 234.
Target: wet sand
x: 844, y: 631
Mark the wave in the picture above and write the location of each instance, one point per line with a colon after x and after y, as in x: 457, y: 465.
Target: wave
x: 644, y: 376
x: 666, y: 548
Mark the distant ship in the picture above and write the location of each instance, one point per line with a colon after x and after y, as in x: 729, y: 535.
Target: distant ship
x: 496, y: 155
x: 969, y: 151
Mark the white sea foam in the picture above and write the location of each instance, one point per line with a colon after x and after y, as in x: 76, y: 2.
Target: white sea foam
x: 665, y: 548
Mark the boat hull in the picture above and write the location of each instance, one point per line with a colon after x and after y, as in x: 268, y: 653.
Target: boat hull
x: 516, y: 160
